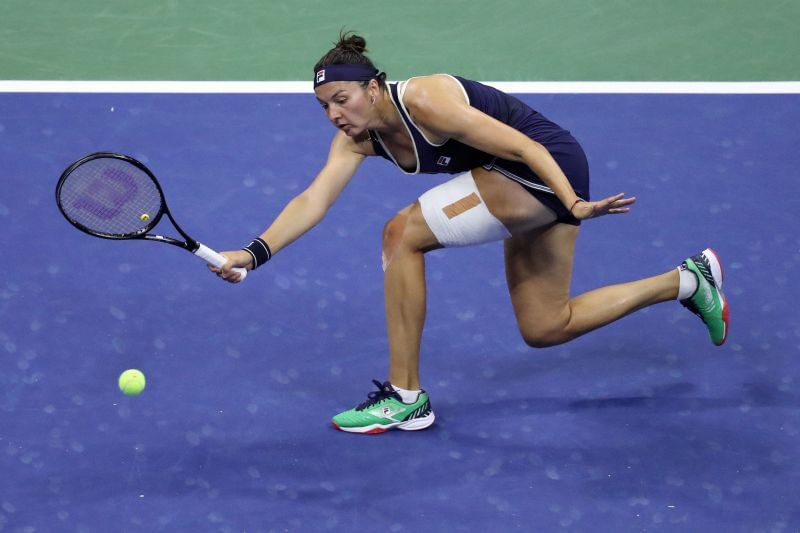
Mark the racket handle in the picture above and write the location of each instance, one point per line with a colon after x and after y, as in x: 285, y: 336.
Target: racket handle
x: 210, y: 256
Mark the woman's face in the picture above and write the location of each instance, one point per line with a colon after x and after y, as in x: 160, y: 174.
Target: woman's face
x: 347, y: 105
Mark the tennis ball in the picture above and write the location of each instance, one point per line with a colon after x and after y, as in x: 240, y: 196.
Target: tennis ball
x: 131, y: 382
x: 145, y: 217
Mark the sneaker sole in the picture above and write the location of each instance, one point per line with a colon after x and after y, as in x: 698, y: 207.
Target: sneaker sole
x: 725, y: 317
x: 415, y: 424
x: 718, y: 261
x: 725, y: 307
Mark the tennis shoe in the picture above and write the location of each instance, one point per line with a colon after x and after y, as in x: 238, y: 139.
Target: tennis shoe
x: 385, y: 410
x: 708, y: 302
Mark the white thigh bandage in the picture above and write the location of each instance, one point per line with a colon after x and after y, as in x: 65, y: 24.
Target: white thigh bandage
x: 458, y: 216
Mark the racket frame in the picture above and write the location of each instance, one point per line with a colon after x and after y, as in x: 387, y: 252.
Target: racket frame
x: 143, y: 234
x: 198, y: 249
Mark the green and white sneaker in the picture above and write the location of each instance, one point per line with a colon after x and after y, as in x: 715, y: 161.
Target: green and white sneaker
x: 708, y: 302
x: 385, y: 410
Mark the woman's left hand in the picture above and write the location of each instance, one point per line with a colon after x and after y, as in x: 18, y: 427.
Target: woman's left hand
x: 613, y: 205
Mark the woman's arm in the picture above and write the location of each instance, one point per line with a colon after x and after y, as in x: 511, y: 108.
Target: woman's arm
x: 306, y: 209
x: 437, y: 104
x: 309, y: 207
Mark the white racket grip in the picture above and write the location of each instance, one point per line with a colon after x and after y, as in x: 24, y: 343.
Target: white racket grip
x: 210, y: 256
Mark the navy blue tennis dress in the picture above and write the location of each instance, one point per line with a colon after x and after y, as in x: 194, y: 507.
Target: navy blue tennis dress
x: 454, y: 157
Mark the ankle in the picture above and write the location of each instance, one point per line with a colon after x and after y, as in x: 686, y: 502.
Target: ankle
x: 404, y: 381
x: 408, y: 396
x: 687, y: 284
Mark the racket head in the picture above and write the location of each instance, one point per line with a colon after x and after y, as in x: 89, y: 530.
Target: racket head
x: 110, y: 195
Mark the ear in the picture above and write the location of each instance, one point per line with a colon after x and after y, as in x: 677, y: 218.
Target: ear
x: 373, y: 88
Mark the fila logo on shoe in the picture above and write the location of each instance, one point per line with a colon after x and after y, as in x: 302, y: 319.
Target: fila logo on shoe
x: 388, y: 412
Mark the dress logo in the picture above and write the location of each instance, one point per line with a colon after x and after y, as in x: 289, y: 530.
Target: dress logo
x: 443, y: 161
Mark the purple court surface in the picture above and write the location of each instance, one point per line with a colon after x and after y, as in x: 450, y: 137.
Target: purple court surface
x: 641, y: 426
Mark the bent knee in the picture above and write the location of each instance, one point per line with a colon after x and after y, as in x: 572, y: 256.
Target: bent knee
x: 406, y: 232
x: 394, y: 231
x: 544, y: 335
x: 408, y: 229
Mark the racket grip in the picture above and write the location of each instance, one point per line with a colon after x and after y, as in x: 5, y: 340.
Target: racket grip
x: 210, y: 256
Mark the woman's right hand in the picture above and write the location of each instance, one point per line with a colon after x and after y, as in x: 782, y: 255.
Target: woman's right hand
x: 613, y: 205
x: 236, y: 258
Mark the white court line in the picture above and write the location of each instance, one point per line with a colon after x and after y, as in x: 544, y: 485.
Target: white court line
x: 519, y: 87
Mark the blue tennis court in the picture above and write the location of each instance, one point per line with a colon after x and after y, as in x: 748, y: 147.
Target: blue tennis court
x: 641, y: 426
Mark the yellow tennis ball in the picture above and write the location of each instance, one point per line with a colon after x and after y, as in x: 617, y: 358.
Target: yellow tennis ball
x: 145, y: 217
x: 131, y: 382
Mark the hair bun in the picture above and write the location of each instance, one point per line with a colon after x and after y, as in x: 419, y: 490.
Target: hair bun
x: 352, y: 43
x: 349, y: 50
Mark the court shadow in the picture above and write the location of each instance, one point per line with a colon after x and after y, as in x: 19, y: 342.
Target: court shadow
x: 668, y: 398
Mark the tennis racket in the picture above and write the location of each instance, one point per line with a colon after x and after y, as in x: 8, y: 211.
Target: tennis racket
x: 114, y: 196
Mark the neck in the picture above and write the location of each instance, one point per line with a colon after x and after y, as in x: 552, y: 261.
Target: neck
x: 387, y: 118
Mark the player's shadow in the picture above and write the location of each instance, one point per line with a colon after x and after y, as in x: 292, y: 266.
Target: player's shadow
x: 668, y: 398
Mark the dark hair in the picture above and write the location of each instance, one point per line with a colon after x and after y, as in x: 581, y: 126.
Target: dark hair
x: 350, y: 51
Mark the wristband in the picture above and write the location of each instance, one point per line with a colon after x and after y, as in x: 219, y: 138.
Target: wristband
x: 575, y: 203
x: 260, y: 251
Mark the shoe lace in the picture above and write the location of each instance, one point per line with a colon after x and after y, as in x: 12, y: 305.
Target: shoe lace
x: 384, y: 391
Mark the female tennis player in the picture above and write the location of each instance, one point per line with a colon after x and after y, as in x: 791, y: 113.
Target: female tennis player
x: 519, y: 178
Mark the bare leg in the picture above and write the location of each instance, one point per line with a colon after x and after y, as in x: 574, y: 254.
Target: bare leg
x: 406, y: 239
x: 539, y: 258
x: 539, y: 269
x: 599, y: 307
